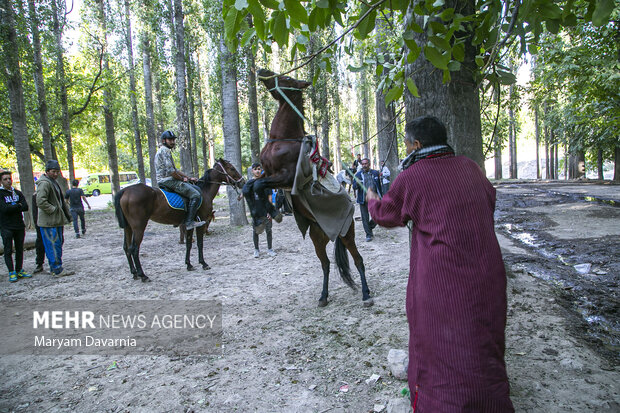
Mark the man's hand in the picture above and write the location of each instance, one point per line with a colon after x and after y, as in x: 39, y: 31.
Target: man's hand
x: 371, y: 194
x: 193, y: 180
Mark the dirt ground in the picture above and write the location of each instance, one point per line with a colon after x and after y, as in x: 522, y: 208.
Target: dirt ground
x: 281, y: 353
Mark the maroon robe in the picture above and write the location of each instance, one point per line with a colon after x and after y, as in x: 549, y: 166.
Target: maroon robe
x: 456, y: 295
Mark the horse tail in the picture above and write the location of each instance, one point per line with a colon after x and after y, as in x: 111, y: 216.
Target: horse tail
x: 342, y: 261
x: 120, y: 217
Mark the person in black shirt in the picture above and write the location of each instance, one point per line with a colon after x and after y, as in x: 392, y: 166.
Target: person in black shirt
x: 12, y: 228
x: 75, y: 196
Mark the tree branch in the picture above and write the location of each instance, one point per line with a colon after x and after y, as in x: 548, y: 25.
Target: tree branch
x: 92, y: 87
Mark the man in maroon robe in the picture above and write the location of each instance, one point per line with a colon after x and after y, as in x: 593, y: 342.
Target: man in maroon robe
x: 456, y: 295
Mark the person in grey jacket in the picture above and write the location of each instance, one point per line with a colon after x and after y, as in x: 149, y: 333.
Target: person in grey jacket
x: 53, y: 214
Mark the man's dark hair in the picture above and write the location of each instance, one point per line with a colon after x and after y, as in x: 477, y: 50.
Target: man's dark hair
x: 428, y: 130
x: 365, y: 159
x: 5, y: 172
x: 255, y: 165
x: 75, y: 182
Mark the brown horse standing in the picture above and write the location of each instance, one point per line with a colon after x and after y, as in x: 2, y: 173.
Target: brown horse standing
x: 279, y: 161
x: 137, y: 204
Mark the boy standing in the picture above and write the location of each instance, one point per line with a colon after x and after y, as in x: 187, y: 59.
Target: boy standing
x: 75, y: 196
x: 12, y: 204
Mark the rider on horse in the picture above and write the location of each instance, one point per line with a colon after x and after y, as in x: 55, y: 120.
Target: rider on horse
x: 173, y: 180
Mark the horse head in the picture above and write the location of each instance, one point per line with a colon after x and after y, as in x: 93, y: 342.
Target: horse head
x: 277, y: 85
x: 225, y: 172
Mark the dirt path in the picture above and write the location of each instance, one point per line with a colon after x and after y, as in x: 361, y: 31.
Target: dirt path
x: 280, y: 352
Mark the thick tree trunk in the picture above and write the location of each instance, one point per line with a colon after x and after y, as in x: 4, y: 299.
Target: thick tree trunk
x: 62, y: 87
x: 107, y: 111
x: 457, y: 103
x: 364, y: 115
x: 617, y: 163
x: 133, y: 95
x: 512, y: 145
x: 159, y: 114
x: 230, y: 126
x: 183, y: 139
x: 148, y: 105
x: 338, y: 166
x: 39, y: 82
x: 537, y: 134
x: 599, y: 164
x: 14, y: 86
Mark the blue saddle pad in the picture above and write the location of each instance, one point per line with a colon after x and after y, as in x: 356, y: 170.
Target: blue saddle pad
x: 175, y: 200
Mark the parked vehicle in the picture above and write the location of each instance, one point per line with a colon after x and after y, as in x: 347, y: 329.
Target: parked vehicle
x: 100, y: 183
x: 136, y: 181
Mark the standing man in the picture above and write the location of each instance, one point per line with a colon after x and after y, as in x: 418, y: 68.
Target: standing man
x: 456, y: 296
x: 357, y: 162
x: 53, y: 215
x: 12, y: 228
x: 75, y: 196
x: 385, y: 178
x: 366, y: 179
x: 173, y: 180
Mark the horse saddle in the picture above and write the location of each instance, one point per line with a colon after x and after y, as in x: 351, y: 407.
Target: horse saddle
x: 176, y: 201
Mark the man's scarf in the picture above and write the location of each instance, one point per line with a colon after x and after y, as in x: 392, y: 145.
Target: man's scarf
x: 434, y: 151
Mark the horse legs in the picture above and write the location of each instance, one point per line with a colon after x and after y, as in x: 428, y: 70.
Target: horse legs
x: 259, y: 189
x: 126, y: 248
x: 349, y: 242
x: 200, y: 231
x: 320, y: 240
x: 188, y: 249
x: 134, y: 249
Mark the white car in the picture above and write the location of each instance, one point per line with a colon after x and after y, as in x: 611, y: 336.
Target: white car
x: 136, y: 181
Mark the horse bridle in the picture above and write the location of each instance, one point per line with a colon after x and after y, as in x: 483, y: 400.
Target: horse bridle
x: 280, y: 91
x: 229, y: 179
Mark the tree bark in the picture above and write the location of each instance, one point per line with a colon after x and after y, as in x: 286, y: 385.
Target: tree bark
x: 133, y: 95
x: 338, y: 166
x: 365, y: 109
x: 62, y: 88
x: 617, y: 163
x: 107, y: 111
x: 537, y: 134
x: 148, y: 106
x: 599, y: 164
x: 183, y: 139
x: 457, y: 103
x: 255, y: 145
x: 201, y: 114
x: 15, y: 90
x: 192, y: 117
x: 230, y: 126
x: 39, y: 82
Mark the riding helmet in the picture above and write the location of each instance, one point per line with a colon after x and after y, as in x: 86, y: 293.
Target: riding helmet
x: 167, y: 135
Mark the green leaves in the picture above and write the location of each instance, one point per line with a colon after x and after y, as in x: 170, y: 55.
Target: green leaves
x: 602, y: 12
x: 296, y: 10
x: 438, y: 59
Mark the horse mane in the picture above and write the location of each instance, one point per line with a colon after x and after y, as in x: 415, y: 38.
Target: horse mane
x: 205, y: 181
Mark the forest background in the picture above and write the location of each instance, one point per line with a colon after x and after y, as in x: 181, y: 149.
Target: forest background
x: 94, y: 83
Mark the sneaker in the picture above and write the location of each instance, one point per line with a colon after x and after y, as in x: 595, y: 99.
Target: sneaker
x: 194, y: 224
x: 83, y: 232
x: 271, y: 253
x: 77, y: 235
x: 23, y: 274
x: 64, y: 273
x: 38, y: 269
x: 369, y: 238
x: 256, y: 253
x: 12, y: 276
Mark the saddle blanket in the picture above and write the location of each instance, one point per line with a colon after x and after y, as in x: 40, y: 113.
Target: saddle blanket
x: 176, y: 201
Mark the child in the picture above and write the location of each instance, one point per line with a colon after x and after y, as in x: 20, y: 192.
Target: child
x: 257, y: 171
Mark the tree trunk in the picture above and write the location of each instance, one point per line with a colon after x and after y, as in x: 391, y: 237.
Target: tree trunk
x: 62, y: 88
x: 551, y: 154
x: 159, y: 115
x: 201, y: 115
x: 617, y: 163
x: 457, y: 103
x: 230, y: 126
x: 183, y: 139
x: 133, y: 95
x: 537, y: 134
x: 599, y: 164
x: 365, y: 109
x: 255, y: 145
x: 512, y: 150
x: 39, y: 82
x: 148, y: 105
x: 192, y: 117
x: 107, y: 111
x: 15, y: 90
x: 338, y: 155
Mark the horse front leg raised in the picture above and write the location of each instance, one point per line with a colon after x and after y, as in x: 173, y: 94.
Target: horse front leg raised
x: 320, y: 240
x: 200, y: 231
x: 188, y: 249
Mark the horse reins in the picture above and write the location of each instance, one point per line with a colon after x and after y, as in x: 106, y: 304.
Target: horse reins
x: 230, y: 181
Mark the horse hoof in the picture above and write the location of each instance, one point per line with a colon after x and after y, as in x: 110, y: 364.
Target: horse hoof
x: 322, y: 303
x: 368, y: 302
x: 206, y: 267
x: 146, y: 279
x: 190, y: 268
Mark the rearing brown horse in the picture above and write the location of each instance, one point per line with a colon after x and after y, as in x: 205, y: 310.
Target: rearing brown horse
x: 137, y: 204
x: 279, y: 160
